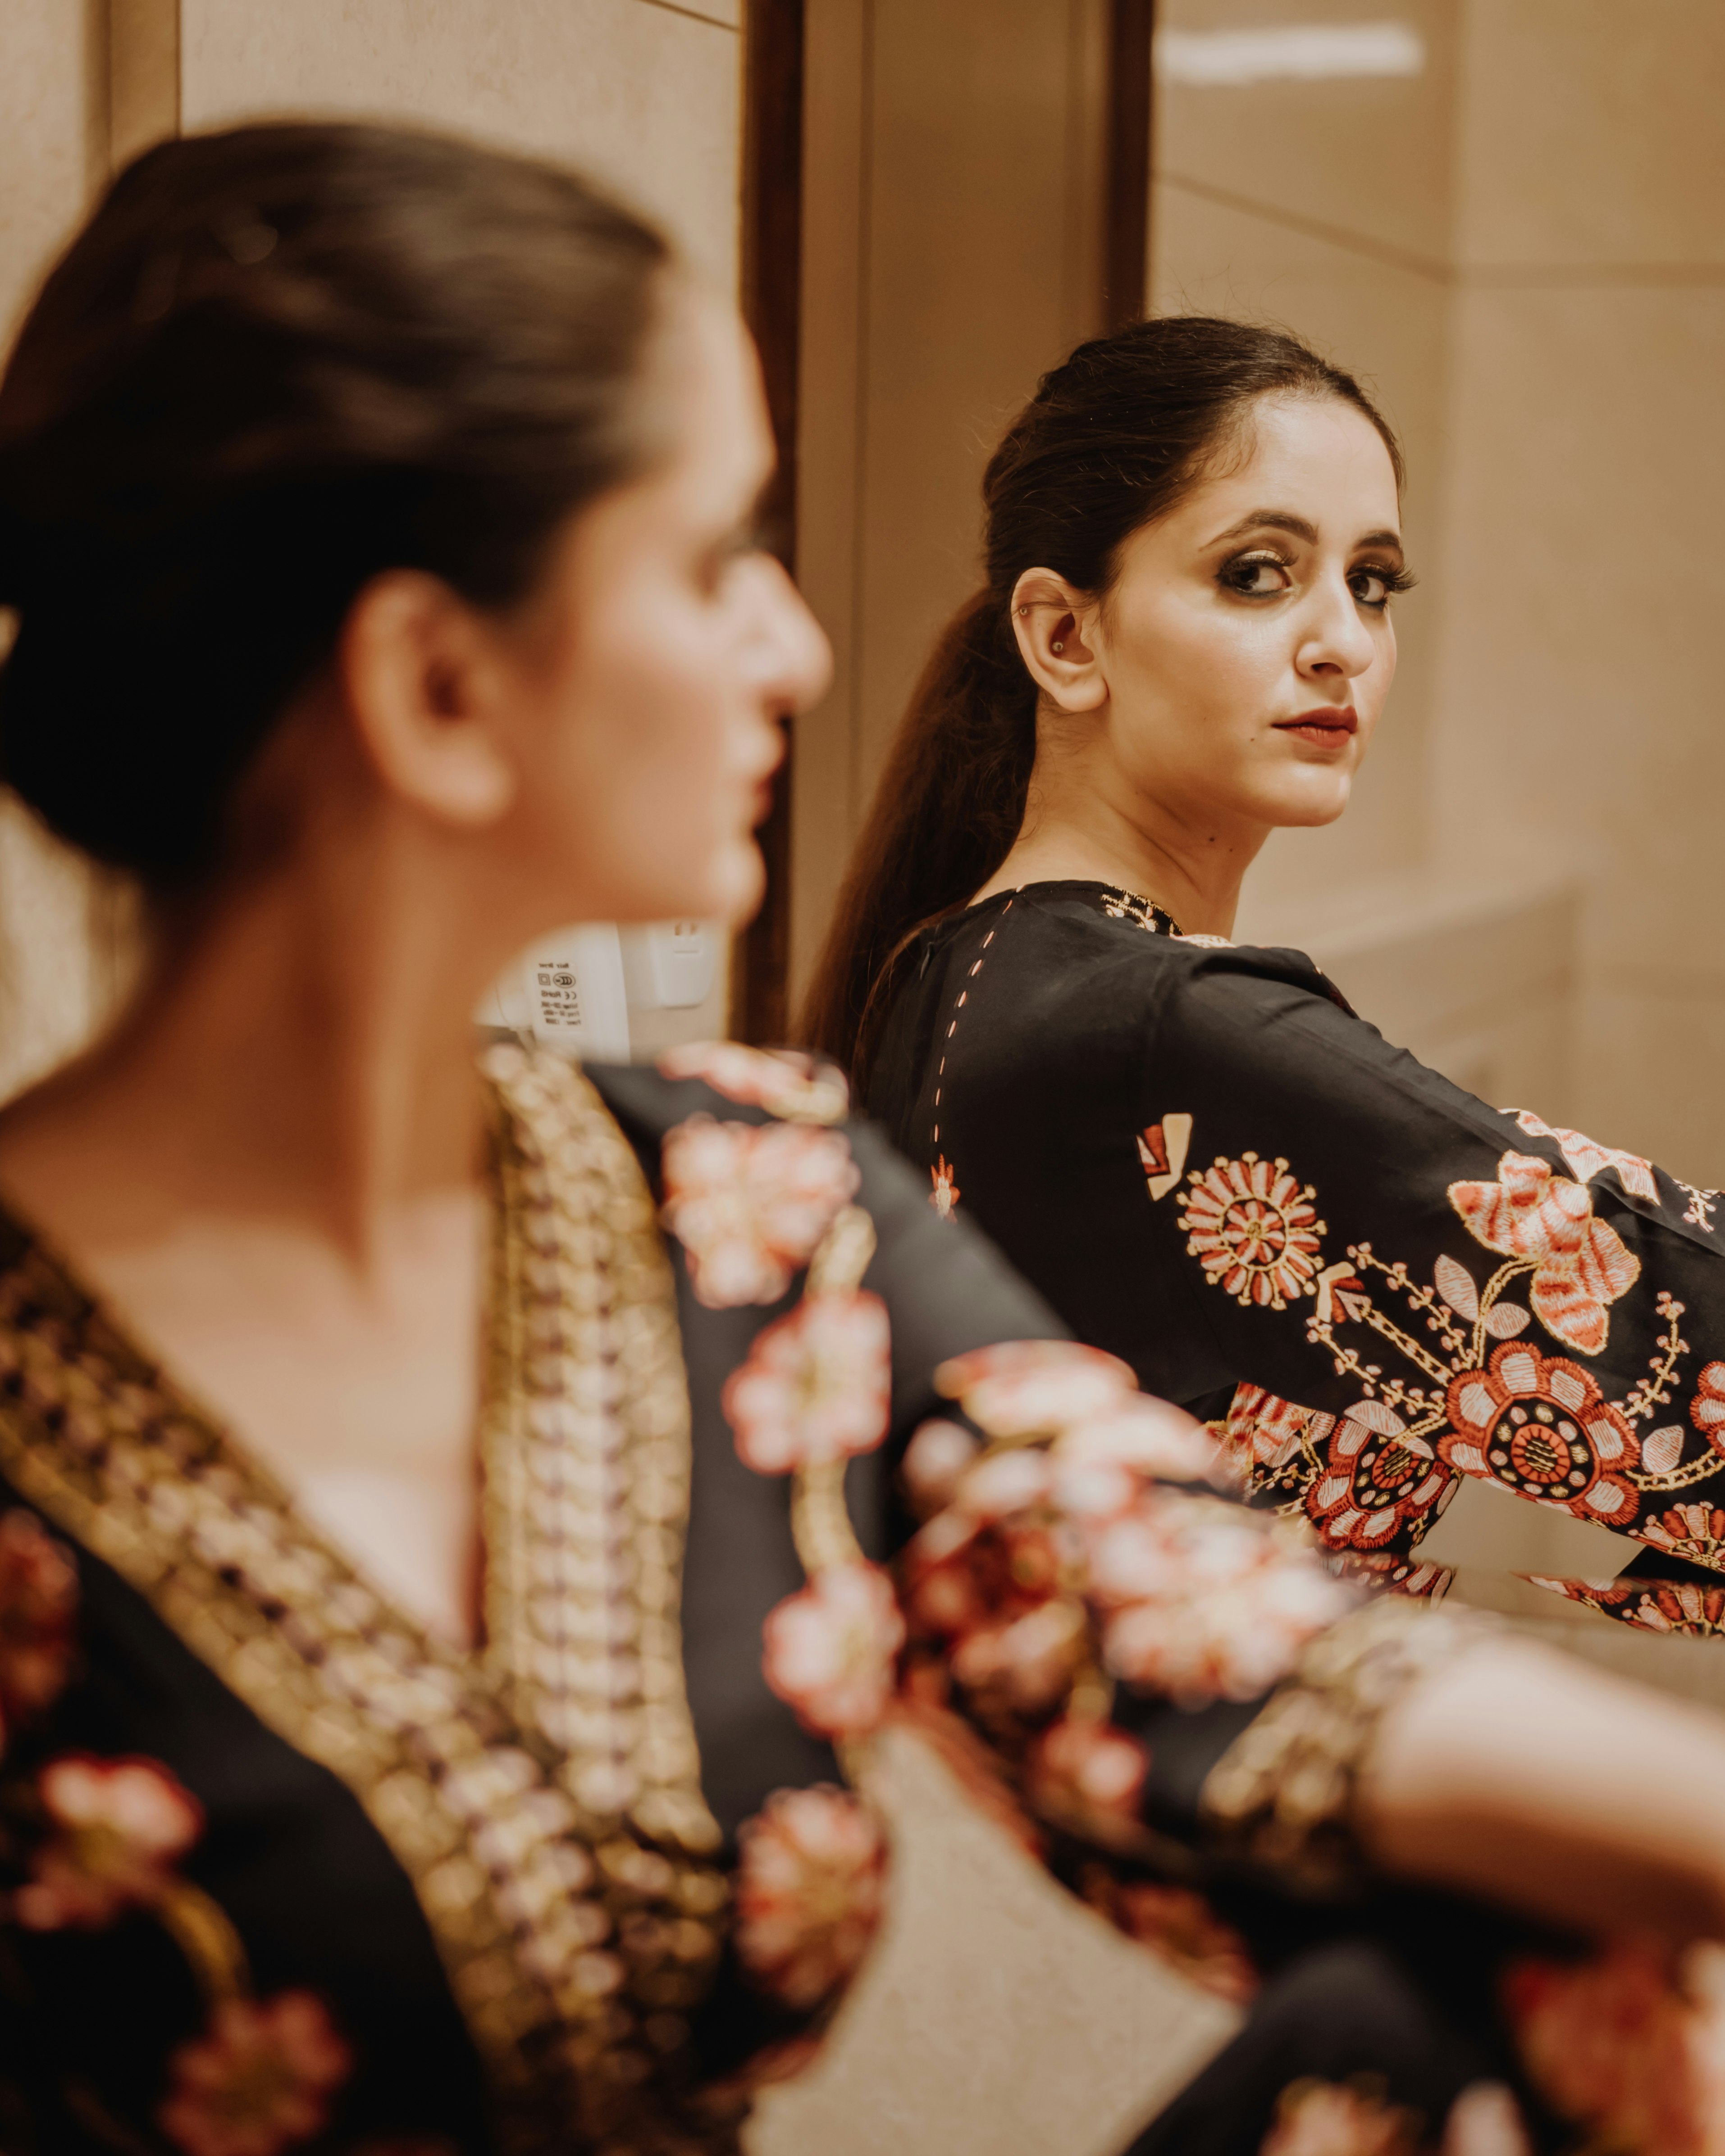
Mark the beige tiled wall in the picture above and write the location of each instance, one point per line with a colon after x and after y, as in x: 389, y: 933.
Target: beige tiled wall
x: 1580, y: 692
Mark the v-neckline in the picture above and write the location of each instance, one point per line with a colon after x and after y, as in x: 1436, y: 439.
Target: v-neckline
x: 494, y: 1773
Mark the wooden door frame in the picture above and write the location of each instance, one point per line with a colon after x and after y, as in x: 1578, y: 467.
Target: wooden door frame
x: 773, y: 59
x: 771, y: 305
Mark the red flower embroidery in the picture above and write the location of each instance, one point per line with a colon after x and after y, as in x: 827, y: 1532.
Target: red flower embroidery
x: 258, y: 2081
x: 783, y: 1080
x: 1378, y: 1482
x: 1582, y: 1264
x: 1026, y: 1388
x: 945, y: 1194
x: 1613, y: 2044
x: 1587, y: 1160
x: 750, y: 1202
x: 1679, y: 1606
x: 1203, y: 1602
x: 1706, y: 1410
x: 830, y: 1650
x: 1254, y: 1230
x: 1148, y: 1437
x: 1329, y: 2118
x: 1696, y: 1532
x: 1263, y: 1433
x: 39, y: 1601
x: 1539, y: 1425
x: 1086, y: 1772
x: 811, y: 1868
x: 817, y: 1385
x: 120, y: 1827
x: 1024, y: 1665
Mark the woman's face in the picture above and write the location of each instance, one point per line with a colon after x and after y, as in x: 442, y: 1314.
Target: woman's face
x: 659, y: 656
x: 1246, y: 649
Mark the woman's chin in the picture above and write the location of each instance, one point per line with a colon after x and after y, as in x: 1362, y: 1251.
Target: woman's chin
x: 1308, y: 808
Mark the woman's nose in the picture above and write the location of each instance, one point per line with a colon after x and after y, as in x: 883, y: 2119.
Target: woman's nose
x: 793, y: 659
x: 1338, y: 641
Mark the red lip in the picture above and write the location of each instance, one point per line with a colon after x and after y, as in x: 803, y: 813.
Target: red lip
x: 1325, y: 729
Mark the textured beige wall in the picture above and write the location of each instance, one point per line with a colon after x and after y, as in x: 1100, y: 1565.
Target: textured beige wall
x: 643, y: 95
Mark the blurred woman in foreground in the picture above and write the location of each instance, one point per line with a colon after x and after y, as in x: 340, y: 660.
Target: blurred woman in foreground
x: 393, y: 1520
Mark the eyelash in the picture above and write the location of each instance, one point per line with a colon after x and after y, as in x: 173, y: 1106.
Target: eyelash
x: 1395, y: 581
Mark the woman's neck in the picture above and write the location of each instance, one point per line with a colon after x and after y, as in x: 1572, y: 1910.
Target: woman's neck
x: 1088, y: 827
x: 300, y: 1055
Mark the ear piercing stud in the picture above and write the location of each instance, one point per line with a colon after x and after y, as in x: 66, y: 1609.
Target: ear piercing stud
x: 1057, y: 647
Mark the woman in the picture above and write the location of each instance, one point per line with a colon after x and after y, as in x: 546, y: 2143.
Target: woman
x: 392, y: 1759
x: 1372, y: 1283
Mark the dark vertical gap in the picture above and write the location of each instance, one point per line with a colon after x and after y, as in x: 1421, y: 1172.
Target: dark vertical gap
x: 771, y: 302
x: 1125, y: 282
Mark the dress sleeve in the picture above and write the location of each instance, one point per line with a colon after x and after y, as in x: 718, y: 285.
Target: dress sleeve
x: 1403, y: 1286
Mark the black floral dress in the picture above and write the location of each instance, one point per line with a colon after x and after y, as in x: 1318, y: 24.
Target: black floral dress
x: 1371, y: 1283
x: 280, y: 1870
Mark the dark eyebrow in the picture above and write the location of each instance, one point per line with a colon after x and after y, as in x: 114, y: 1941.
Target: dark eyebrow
x: 1280, y: 520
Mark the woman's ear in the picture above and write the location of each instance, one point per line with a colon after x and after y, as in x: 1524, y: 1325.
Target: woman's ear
x: 423, y: 685
x: 1055, y: 624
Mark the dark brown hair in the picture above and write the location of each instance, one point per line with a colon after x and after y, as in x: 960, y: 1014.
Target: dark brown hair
x: 274, y: 362
x: 1110, y: 441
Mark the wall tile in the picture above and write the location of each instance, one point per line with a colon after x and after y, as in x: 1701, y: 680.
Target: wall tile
x: 1370, y: 156
x: 1590, y: 132
x: 644, y: 96
x: 1583, y: 713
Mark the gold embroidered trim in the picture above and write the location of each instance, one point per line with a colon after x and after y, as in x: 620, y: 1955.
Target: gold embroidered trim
x: 1285, y: 1794
x: 576, y: 1934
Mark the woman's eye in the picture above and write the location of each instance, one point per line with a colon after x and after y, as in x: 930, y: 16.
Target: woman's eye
x: 1373, y: 587
x: 1255, y: 576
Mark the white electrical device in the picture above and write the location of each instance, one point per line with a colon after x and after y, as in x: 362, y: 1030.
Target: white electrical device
x: 571, y: 990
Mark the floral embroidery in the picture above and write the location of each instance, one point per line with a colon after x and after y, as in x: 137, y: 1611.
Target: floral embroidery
x: 1120, y: 905
x: 1204, y: 1604
x: 1331, y: 2118
x: 1087, y: 1771
x: 816, y: 1387
x: 1540, y: 1425
x: 1162, y: 1153
x: 258, y: 2081
x: 945, y: 1194
x: 750, y: 1202
x: 1019, y: 1388
x: 1680, y: 1606
x: 1695, y: 1533
x: 784, y: 1081
x: 1580, y: 1263
x: 1262, y: 1435
x: 118, y: 1828
x: 810, y: 1878
x: 830, y: 1649
x: 1706, y: 1410
x: 1622, y: 2046
x: 39, y: 1601
x: 1254, y: 1230
x: 1378, y: 1479
x: 934, y: 1460
x: 1587, y: 1160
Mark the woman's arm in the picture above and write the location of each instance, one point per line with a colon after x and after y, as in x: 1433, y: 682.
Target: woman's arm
x: 1514, y: 1772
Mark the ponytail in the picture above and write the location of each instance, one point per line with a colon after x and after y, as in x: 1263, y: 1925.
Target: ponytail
x: 1110, y: 442
x: 948, y: 807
